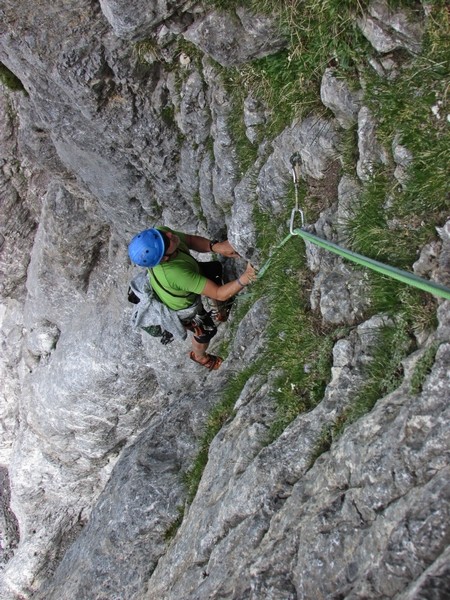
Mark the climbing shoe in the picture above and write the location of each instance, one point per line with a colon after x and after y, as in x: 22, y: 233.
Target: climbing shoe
x: 210, y: 361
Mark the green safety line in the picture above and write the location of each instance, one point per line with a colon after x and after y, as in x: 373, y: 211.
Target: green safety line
x: 375, y: 265
x: 266, y: 265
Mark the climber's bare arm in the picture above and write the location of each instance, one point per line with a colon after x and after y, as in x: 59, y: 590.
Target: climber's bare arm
x: 202, y: 244
x: 226, y: 291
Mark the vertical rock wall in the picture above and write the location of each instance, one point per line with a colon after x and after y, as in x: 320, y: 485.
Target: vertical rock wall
x: 120, y: 128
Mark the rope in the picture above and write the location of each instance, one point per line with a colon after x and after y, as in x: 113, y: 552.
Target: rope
x: 295, y: 161
x: 266, y: 265
x: 393, y: 272
x: 398, y: 274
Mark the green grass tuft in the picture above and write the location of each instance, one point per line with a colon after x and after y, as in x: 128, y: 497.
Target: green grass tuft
x: 147, y: 51
x: 392, y: 222
x: 323, y: 444
x: 423, y: 368
x: 9, y: 80
x: 173, y: 528
x: 413, y: 306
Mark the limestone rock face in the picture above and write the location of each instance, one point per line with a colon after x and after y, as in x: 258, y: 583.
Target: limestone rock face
x: 136, y: 19
x: 121, y: 126
x: 371, y: 152
x: 235, y: 39
x: 298, y: 521
x: 387, y: 29
x: 336, y: 95
x: 145, y: 493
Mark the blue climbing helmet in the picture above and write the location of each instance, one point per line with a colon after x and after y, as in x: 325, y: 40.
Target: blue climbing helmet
x: 147, y: 248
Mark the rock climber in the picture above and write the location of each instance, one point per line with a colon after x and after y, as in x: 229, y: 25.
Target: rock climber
x: 179, y: 281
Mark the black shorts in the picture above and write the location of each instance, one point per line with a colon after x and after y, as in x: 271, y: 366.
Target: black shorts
x: 202, y: 325
x: 212, y: 270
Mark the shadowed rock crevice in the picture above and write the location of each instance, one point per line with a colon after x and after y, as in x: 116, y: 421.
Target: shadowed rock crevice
x: 9, y: 528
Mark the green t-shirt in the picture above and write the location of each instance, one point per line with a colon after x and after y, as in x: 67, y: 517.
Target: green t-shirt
x: 178, y: 281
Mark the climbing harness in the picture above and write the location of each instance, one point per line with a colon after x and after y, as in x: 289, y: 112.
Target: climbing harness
x: 393, y: 272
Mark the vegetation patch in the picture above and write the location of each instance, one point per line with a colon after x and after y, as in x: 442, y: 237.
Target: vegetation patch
x: 168, y: 114
x: 375, y: 229
x: 414, y: 109
x: 299, y: 345
x: 348, y: 149
x: 423, y: 368
x: 318, y: 34
x: 323, y: 444
x: 173, y: 527
x: 415, y: 307
x: 9, y: 80
x: 392, y: 222
x: 147, y: 51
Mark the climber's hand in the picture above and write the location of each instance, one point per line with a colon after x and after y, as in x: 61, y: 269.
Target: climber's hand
x: 225, y: 249
x: 249, y: 275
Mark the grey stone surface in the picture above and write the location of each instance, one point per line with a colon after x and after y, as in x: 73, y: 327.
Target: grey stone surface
x: 388, y: 29
x: 241, y: 230
x: 145, y: 493
x: 99, y: 422
x: 342, y: 295
x: 434, y: 260
x: 339, y: 290
x: 317, y: 144
x: 20, y: 188
x: 225, y: 169
x: 232, y: 39
x: 371, y: 152
x: 336, y: 95
x: 193, y: 117
x: 361, y: 520
x: 9, y: 532
x: 134, y: 20
x: 254, y: 115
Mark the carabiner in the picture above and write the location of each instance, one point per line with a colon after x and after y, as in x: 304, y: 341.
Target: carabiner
x: 296, y: 162
x: 291, y: 224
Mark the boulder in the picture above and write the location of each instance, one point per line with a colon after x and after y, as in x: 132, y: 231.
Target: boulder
x: 388, y: 29
x: 336, y: 95
x: 233, y: 39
